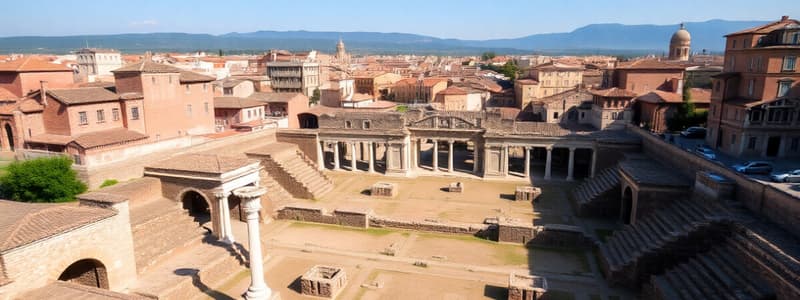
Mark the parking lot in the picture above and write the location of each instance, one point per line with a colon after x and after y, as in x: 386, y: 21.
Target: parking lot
x: 780, y: 165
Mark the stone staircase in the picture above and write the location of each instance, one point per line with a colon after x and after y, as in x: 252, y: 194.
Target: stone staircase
x: 277, y: 195
x: 716, y: 274
x: 595, y: 196
x: 159, y: 226
x: 662, y: 240
x: 298, y: 175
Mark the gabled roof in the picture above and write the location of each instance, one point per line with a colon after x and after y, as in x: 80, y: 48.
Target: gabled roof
x: 453, y: 90
x: 527, y: 81
x: 660, y: 97
x: 107, y: 137
x: 613, y: 92
x: 83, y: 95
x: 6, y: 94
x: 149, y: 66
x: 274, y: 97
x: 766, y: 28
x: 236, y: 102
x: 201, y: 163
x: 651, y: 64
x: 24, y: 223
x: 32, y: 64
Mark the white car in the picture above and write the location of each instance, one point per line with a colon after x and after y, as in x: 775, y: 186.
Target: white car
x: 792, y: 176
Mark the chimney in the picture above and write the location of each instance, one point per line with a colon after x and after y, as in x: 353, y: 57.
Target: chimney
x: 43, y: 91
x: 784, y: 18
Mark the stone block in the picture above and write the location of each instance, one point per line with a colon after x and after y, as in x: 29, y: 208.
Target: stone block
x: 526, y: 287
x: 456, y: 187
x: 323, y: 281
x: 527, y: 193
x: 383, y: 189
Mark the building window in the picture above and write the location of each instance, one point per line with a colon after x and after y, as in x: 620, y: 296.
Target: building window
x: 189, y: 110
x: 555, y: 115
x: 733, y: 139
x: 613, y: 115
x: 367, y: 124
x: 101, y: 116
x: 170, y: 80
x: 755, y: 116
x: 751, y: 143
x: 134, y: 113
x: 783, y: 87
x: 347, y: 124
x: 733, y: 46
x: 733, y: 63
x: 115, y: 114
x: 82, y: 118
x: 794, y: 145
x: 751, y: 87
x: 789, y: 63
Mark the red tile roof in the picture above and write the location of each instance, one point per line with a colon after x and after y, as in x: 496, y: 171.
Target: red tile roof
x: 236, y: 102
x: 83, y: 95
x: 660, y: 97
x: 527, y: 81
x: 453, y: 90
x: 32, y: 64
x: 651, y: 64
x: 108, y: 137
x: 201, y: 163
x: 766, y: 28
x: 6, y: 94
x: 149, y: 66
x: 613, y: 93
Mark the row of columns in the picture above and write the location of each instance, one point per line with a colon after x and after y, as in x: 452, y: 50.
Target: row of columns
x: 549, y: 161
x: 450, y: 151
x: 370, y: 149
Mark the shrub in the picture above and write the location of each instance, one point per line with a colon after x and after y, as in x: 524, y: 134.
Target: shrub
x: 41, y: 180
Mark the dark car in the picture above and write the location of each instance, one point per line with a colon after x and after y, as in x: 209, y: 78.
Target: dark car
x: 694, y: 133
x: 754, y: 167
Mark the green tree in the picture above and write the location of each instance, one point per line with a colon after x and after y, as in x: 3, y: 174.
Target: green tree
x: 314, y: 97
x: 488, y: 55
x: 41, y: 180
x: 220, y: 52
x: 510, y: 70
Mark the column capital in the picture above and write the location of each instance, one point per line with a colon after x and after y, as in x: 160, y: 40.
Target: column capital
x: 220, y: 194
x: 572, y: 149
x: 549, y: 148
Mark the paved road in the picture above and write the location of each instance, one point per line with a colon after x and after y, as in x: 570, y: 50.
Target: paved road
x: 781, y: 165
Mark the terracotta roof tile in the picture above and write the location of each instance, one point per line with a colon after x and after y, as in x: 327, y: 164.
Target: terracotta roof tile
x: 201, y: 163
x: 766, y: 28
x: 108, y: 137
x: 6, y: 94
x: 613, y: 92
x: 660, y: 97
x: 149, y: 66
x: 83, y: 95
x: 24, y: 223
x: 453, y: 90
x: 275, y: 97
x: 62, y: 290
x: 236, y: 102
x: 651, y: 64
x: 32, y: 64
x: 527, y: 81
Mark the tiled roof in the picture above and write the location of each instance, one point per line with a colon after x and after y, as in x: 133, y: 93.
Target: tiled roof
x: 555, y: 66
x: 63, y: 290
x: 201, y: 163
x: 148, y: 66
x: 453, y: 90
x: 432, y: 81
x: 6, y: 94
x: 700, y: 95
x: 660, y: 97
x: 651, y: 64
x: 32, y: 64
x: 274, y: 97
x: 108, y: 137
x: 29, y: 105
x: 236, y: 102
x: 229, y: 83
x: 24, y: 223
x: 52, y: 139
x: 613, y: 92
x: 566, y: 94
x: 83, y: 95
x: 527, y: 81
x: 766, y: 28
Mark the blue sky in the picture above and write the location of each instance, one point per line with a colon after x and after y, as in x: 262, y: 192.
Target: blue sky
x: 465, y: 19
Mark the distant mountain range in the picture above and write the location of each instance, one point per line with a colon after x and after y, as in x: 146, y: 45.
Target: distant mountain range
x: 614, y: 39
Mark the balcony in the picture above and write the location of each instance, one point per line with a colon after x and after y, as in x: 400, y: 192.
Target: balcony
x: 287, y: 84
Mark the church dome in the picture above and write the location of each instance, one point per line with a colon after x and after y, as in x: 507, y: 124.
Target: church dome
x: 681, y: 36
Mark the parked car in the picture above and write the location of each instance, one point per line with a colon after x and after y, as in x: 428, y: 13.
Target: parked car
x: 694, y: 133
x: 705, y: 151
x: 754, y: 167
x: 792, y: 176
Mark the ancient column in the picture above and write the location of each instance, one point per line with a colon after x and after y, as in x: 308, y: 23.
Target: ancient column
x: 549, y: 161
x: 450, y: 156
x: 387, y: 156
x: 571, y: 166
x: 353, y: 156
x: 251, y: 201
x: 320, y: 156
x: 336, y: 156
x: 435, y: 155
x: 226, y: 232
x: 371, y: 153
x: 527, y: 162
x: 475, y: 158
x: 505, y: 160
x: 594, y: 163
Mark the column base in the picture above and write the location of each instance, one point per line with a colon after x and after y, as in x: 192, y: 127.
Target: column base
x: 262, y: 294
x: 227, y: 240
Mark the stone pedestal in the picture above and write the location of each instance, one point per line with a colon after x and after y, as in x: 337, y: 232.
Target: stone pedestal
x: 383, y: 189
x: 526, y: 287
x: 527, y: 193
x: 251, y: 201
x: 456, y: 187
x: 323, y: 281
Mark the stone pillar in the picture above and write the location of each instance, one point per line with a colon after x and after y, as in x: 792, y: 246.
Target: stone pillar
x: 250, y: 196
x: 450, y: 156
x: 475, y: 159
x: 353, y: 156
x: 435, y: 155
x: 320, y: 157
x: 594, y: 163
x: 336, y: 156
x: 527, y: 162
x: 226, y: 231
x: 505, y: 160
x: 371, y: 153
x: 547, y: 167
x: 571, y: 166
x: 387, y: 157
x: 416, y: 150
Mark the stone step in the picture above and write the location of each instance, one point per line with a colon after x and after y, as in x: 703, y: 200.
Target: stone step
x: 713, y: 287
x: 665, y: 287
x: 738, y: 272
x: 677, y: 285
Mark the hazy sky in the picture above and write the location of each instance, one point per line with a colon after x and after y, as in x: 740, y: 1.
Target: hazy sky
x: 465, y: 19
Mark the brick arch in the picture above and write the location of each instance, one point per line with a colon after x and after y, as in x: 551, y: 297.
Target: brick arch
x: 103, y: 256
x: 185, y: 191
x: 8, y: 138
x: 88, y: 272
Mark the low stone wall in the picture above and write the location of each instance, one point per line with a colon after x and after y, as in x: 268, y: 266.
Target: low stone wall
x: 352, y: 218
x: 514, y: 232
x: 560, y: 236
x: 427, y: 226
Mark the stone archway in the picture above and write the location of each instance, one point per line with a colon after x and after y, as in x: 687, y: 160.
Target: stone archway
x: 308, y: 120
x: 627, y: 205
x: 88, y: 272
x: 197, y: 206
x: 9, y: 136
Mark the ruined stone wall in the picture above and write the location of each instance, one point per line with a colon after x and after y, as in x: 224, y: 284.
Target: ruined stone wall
x: 426, y: 226
x: 306, y: 140
x: 515, y: 233
x: 776, y: 205
x: 319, y: 215
x: 378, y: 121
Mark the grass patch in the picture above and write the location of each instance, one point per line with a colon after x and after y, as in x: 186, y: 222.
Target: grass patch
x: 509, y: 254
x: 558, y: 295
x: 370, y: 231
x: 401, y: 108
x: 603, y: 234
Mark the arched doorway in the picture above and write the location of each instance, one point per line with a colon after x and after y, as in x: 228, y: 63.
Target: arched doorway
x: 627, y: 206
x: 308, y: 120
x: 197, y: 206
x: 87, y: 272
x: 10, y: 136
